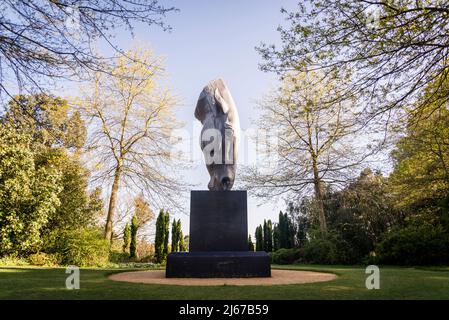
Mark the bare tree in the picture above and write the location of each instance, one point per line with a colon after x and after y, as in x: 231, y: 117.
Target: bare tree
x: 141, y: 209
x: 131, y: 123
x: 54, y: 39
x: 392, y: 48
x: 314, y: 148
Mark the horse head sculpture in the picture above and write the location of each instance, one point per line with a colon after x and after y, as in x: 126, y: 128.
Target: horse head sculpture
x: 220, y: 134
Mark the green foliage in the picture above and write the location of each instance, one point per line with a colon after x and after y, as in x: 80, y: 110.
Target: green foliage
x: 361, y: 213
x: 44, y: 259
x: 162, y: 235
x: 321, y: 250
x: 78, y: 208
x: 126, y: 238
x: 259, y: 239
x: 47, y: 119
x: 28, y: 194
x: 185, y: 243
x: 285, y: 231
x: 268, y: 235
x: 357, y: 217
x: 298, y: 225
x: 174, y: 236
x: 119, y: 257
x: 13, y: 260
x: 51, y: 194
x: 84, y: 247
x: 286, y: 256
x: 276, y: 237
x: 180, y: 237
x: 166, y: 233
x: 420, y: 179
x: 415, y: 245
x: 250, y: 244
x: 133, y: 244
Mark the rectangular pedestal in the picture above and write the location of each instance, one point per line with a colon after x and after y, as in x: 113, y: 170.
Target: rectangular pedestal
x: 224, y: 264
x: 218, y: 221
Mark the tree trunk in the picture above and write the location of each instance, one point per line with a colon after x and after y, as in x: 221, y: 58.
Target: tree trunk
x: 112, y: 204
x: 319, y: 197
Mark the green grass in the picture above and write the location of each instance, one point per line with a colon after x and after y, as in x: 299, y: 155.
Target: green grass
x: 396, y: 283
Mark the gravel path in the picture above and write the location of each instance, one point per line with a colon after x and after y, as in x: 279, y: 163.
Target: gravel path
x: 278, y: 277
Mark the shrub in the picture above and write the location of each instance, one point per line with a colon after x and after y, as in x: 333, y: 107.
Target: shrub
x: 415, y: 245
x: 13, y: 260
x: 43, y: 259
x: 321, y: 250
x: 330, y: 248
x: 84, y: 247
x: 286, y: 256
x: 119, y: 257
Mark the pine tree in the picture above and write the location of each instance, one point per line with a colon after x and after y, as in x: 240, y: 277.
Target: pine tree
x: 126, y: 238
x: 133, y: 245
x: 250, y: 244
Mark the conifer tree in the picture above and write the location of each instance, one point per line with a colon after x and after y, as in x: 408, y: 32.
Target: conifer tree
x: 126, y: 238
x: 133, y: 245
x: 250, y: 244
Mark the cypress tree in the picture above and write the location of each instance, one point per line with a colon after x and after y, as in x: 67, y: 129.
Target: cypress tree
x: 181, y: 244
x: 269, y: 239
x: 283, y: 231
x: 174, y: 236
x: 250, y: 244
x: 126, y: 238
x: 301, y: 234
x: 276, y: 237
x: 166, y: 234
x: 265, y: 238
x: 291, y: 232
x: 160, y: 237
x: 259, y: 238
x: 133, y: 245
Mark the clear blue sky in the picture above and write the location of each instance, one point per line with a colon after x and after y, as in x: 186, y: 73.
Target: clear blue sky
x: 210, y: 39
x: 217, y: 38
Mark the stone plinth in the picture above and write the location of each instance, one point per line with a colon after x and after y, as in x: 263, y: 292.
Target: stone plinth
x: 218, y: 245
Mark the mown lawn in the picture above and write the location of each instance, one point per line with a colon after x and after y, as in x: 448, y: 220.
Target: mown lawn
x: 396, y: 283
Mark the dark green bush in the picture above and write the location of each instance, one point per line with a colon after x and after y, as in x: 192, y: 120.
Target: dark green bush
x: 415, y: 245
x: 84, y: 247
x: 286, y: 256
x: 320, y: 250
x: 330, y: 248
x: 119, y: 257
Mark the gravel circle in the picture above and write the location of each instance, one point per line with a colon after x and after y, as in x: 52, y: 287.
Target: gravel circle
x: 278, y: 277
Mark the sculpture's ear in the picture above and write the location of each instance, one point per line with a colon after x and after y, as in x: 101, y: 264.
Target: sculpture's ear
x: 201, y: 108
x: 220, y: 101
